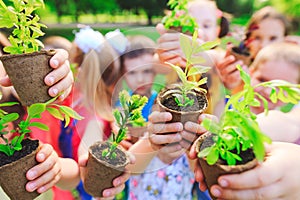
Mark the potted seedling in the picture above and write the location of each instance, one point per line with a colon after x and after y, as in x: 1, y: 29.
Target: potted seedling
x: 178, y: 18
x: 235, y: 143
x: 107, y: 160
x: 241, y: 51
x: 25, y: 64
x: 188, y: 99
x: 17, y: 152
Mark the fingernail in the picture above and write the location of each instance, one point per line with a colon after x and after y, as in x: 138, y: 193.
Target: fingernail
x: 55, y: 63
x: 216, y: 192
x: 51, y: 80
x: 223, y: 183
x: 107, y: 194
x: 31, y: 174
x: 61, y: 97
x: 118, y: 182
x: 54, y: 91
x: 32, y: 186
x: 42, y: 189
x: 41, y: 157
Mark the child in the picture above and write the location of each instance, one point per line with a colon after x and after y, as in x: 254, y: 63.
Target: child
x: 208, y: 18
x: 277, y: 61
x: 138, y: 64
x: 98, y: 74
x: 266, y: 26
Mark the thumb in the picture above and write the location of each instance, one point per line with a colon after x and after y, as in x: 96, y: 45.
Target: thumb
x: 160, y: 28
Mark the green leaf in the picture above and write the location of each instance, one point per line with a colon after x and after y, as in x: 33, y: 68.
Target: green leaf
x: 69, y: 112
x: 213, y: 156
x: 198, y: 70
x: 40, y: 126
x: 245, y: 76
x: 207, y: 46
x: 55, y: 113
x: 35, y: 110
x: 186, y: 45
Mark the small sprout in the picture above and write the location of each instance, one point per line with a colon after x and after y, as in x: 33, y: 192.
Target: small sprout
x: 130, y: 113
x: 237, y: 129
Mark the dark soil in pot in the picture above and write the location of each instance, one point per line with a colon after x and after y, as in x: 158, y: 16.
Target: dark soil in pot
x: 241, y: 55
x: 27, y: 73
x: 13, y: 171
x: 100, y: 172
x: 166, y: 102
x: 212, y: 172
x: 174, y: 29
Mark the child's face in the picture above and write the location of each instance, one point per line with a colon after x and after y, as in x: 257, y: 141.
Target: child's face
x: 269, y: 31
x: 206, y: 17
x: 271, y: 70
x: 139, y: 74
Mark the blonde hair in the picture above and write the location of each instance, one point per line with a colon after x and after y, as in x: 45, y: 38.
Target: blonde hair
x: 99, y: 71
x: 285, y: 51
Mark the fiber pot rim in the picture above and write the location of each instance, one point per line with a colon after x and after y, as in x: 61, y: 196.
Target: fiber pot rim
x: 160, y: 94
x: 104, y: 162
x: 227, y: 168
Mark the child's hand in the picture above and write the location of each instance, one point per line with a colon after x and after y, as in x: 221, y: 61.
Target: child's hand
x: 118, y: 182
x: 169, y: 47
x: 228, y: 72
x: 61, y: 78
x: 165, y: 137
x: 47, y: 173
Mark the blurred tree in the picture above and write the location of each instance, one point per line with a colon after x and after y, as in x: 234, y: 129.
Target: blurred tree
x: 151, y: 7
x: 291, y: 8
x: 236, y: 7
x: 94, y: 7
x: 61, y: 7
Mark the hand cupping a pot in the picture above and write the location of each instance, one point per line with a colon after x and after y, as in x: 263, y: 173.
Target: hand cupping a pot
x: 47, y: 173
x: 60, y: 79
x: 172, y: 139
x: 118, y: 182
x: 165, y: 137
x: 269, y: 180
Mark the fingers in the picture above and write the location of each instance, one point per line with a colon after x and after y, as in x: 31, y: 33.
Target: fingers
x: 160, y: 28
x: 157, y: 117
x: 61, y: 78
x: 5, y: 81
x: 159, y: 141
x: 47, y: 173
x: 82, y: 161
x: 259, y: 176
x: 199, y: 177
x: 59, y: 58
x: 118, y: 186
x: 262, y: 193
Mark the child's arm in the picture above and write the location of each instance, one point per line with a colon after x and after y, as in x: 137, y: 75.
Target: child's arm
x: 143, y: 152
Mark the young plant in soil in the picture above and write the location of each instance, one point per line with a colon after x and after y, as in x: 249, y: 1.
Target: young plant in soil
x: 25, y: 62
x: 235, y: 142
x: 190, y: 94
x: 17, y: 150
x: 22, y: 131
x: 107, y: 160
x: 129, y: 115
x: 237, y: 129
x: 178, y: 19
